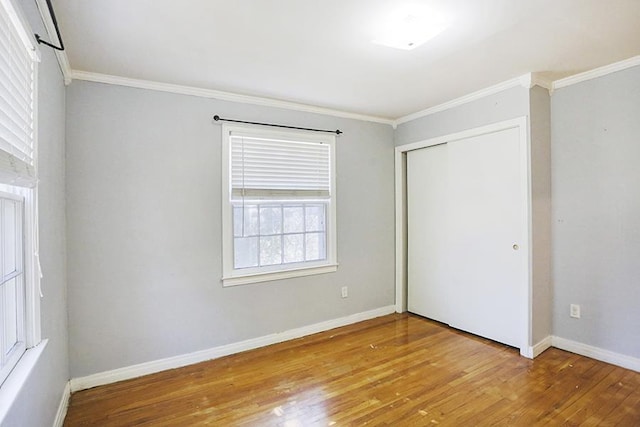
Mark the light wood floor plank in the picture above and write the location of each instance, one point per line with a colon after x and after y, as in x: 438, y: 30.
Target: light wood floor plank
x: 397, y: 370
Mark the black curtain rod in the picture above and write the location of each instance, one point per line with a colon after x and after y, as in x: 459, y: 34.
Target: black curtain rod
x: 217, y: 118
x: 55, y: 24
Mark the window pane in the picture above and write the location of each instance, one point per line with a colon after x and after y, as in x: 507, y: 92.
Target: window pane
x: 245, y: 252
x: 270, y: 220
x: 250, y: 221
x: 314, y: 218
x: 10, y: 313
x: 9, y: 235
x: 315, y: 246
x: 293, y: 219
x: 237, y: 221
x: 294, y: 248
x: 270, y: 250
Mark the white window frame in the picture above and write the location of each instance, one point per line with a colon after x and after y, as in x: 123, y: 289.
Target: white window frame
x: 29, y: 196
x: 32, y: 272
x: 232, y: 276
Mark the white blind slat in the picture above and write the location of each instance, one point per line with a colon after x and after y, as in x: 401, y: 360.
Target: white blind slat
x: 17, y: 62
x: 268, y: 168
x: 16, y: 101
x: 8, y: 142
x: 10, y: 69
x: 15, y: 123
x: 12, y: 88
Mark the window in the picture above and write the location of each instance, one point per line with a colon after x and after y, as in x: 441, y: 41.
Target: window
x: 278, y: 204
x: 12, y: 298
x: 19, y: 282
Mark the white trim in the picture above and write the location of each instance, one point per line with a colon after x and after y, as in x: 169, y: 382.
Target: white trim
x: 32, y: 268
x: 400, y: 209
x: 63, y: 406
x: 65, y: 66
x: 533, y: 352
x: 63, y: 60
x: 527, y: 80
x: 16, y: 380
x: 601, y: 354
x: 278, y: 275
x: 221, y: 95
x: 468, y: 133
x: 597, y: 72
x: 141, y: 369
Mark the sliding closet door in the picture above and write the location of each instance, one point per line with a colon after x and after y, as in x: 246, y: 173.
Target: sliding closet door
x: 487, y: 237
x: 467, y: 255
x: 427, y: 262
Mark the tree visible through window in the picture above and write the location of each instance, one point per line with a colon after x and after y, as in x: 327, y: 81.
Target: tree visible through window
x: 271, y: 234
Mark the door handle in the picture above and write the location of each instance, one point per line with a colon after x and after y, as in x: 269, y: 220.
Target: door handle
x: 515, y: 247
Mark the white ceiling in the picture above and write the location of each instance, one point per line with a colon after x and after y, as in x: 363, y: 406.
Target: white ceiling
x: 320, y: 52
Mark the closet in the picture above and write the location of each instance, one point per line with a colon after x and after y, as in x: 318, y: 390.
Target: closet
x: 467, y: 234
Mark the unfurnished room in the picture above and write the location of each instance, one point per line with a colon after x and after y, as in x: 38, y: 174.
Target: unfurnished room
x: 319, y: 213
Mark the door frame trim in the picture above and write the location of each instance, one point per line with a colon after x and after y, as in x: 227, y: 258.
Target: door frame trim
x: 520, y: 123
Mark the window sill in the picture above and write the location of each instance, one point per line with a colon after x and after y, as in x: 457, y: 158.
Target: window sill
x: 277, y: 275
x: 12, y: 386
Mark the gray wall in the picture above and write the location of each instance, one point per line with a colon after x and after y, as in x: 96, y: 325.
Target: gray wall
x: 38, y: 401
x: 144, y: 229
x: 596, y: 211
x: 505, y: 105
x: 540, y: 155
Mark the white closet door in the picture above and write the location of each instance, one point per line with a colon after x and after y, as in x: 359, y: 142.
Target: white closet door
x: 427, y: 261
x: 466, y: 211
x: 486, y: 219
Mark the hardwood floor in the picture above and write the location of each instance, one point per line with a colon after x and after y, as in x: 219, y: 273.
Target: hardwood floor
x: 399, y: 370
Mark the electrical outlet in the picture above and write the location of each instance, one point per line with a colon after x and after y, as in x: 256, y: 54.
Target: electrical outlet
x: 345, y: 292
x: 574, y: 311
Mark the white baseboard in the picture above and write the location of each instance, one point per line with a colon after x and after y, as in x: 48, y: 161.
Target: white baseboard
x: 154, y: 366
x: 539, y: 348
x: 64, y: 405
x: 531, y: 352
x: 603, y: 355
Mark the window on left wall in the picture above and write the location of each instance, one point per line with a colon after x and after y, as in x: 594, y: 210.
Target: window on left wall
x: 19, y: 264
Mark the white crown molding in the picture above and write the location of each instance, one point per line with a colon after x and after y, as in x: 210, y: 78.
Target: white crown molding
x: 530, y: 80
x: 220, y: 95
x: 63, y: 60
x: 63, y: 406
x: 527, y: 80
x: 224, y: 350
x: 597, y: 72
x: 601, y: 354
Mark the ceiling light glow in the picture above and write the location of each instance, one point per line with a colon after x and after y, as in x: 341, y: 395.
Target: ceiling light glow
x: 408, y: 29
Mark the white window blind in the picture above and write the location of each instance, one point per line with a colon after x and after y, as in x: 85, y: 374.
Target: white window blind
x: 17, y: 88
x: 271, y: 168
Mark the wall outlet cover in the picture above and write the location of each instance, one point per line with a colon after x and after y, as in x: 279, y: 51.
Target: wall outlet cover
x: 574, y: 311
